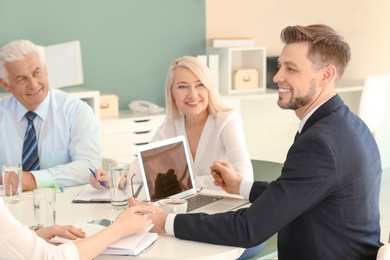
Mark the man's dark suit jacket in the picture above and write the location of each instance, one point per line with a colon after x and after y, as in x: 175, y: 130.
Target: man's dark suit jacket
x: 325, y: 204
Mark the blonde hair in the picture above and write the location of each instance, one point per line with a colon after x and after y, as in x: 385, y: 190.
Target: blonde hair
x: 203, y: 73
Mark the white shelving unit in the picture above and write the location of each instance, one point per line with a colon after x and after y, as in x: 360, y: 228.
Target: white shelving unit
x: 245, y: 58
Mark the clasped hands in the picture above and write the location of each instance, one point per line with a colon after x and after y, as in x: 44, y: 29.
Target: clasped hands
x: 224, y: 176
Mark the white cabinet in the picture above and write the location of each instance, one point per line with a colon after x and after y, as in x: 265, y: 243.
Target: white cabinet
x: 239, y: 64
x: 121, y: 134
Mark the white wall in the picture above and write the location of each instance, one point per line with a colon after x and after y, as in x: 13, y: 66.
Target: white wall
x: 383, y: 138
x: 364, y: 24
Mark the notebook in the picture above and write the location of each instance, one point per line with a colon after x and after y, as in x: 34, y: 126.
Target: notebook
x: 91, y: 195
x: 132, y: 244
x: 167, y: 163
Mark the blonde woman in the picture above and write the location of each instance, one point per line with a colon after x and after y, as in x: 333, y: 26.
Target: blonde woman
x: 213, y: 131
x: 195, y: 110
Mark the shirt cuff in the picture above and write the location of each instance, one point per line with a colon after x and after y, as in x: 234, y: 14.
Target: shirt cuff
x: 43, y: 178
x: 245, y: 188
x: 169, y: 224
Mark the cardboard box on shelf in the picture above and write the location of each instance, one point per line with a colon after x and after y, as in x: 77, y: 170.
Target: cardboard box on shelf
x: 108, y: 105
x: 245, y: 79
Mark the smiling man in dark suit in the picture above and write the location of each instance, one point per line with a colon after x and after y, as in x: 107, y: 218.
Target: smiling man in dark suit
x: 325, y: 204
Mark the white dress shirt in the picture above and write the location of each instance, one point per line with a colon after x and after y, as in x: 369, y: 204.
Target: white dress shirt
x: 19, y: 242
x: 68, y: 138
x: 222, y: 139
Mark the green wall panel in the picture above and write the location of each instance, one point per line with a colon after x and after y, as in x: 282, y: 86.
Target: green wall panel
x: 126, y: 45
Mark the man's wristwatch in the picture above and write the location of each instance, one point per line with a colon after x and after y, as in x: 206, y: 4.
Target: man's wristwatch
x: 36, y: 227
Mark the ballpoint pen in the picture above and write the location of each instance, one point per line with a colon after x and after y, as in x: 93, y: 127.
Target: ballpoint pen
x: 94, y: 175
x: 147, y: 212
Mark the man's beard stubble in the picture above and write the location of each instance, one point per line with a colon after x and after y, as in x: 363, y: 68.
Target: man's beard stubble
x: 298, y: 102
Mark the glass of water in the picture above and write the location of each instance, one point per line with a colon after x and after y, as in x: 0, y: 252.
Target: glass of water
x: 44, y: 200
x: 119, y: 184
x: 12, y: 182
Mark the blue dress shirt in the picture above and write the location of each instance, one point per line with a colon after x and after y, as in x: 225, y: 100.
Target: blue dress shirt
x: 68, y: 138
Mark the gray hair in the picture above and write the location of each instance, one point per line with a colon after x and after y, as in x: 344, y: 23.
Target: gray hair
x: 15, y: 51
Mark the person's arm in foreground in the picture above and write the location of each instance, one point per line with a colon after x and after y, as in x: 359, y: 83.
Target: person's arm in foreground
x: 125, y: 224
x: 66, y: 231
x: 19, y: 242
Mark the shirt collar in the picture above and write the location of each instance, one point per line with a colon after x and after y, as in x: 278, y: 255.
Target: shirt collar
x: 42, y: 110
x: 303, y: 122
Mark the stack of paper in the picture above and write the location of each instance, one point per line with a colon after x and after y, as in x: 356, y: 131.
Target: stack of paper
x: 130, y: 245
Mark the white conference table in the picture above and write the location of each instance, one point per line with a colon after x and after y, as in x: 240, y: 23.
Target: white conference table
x: 165, y: 247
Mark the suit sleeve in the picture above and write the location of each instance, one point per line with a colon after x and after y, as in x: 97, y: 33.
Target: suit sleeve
x: 306, y: 179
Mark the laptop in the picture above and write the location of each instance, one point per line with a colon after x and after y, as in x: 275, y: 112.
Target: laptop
x: 167, y: 173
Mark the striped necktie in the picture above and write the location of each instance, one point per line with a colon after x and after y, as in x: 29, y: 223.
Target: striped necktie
x: 30, y: 159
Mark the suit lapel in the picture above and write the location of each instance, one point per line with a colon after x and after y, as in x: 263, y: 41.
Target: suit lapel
x: 324, y: 110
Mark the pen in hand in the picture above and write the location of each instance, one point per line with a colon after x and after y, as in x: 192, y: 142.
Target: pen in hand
x: 94, y: 175
x: 147, y: 212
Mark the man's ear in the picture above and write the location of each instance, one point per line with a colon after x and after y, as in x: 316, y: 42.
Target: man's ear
x: 4, y: 84
x: 328, y: 74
